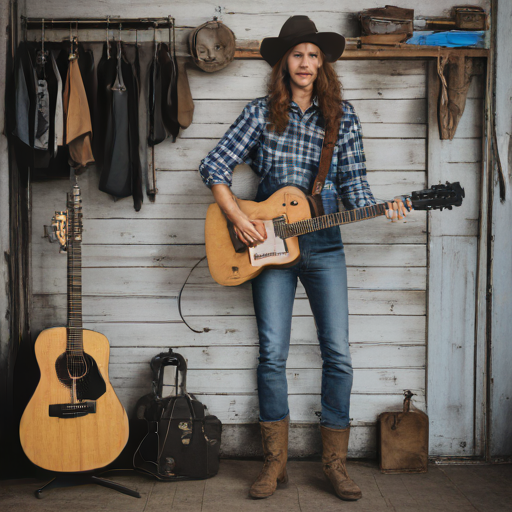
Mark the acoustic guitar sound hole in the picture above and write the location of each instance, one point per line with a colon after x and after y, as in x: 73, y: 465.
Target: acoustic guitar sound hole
x: 83, y: 369
x: 77, y: 366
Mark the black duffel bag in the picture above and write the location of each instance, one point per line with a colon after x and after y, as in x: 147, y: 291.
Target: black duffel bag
x: 183, y: 440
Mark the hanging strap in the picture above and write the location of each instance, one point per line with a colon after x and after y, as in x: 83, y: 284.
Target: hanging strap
x: 330, y: 139
x: 315, y: 199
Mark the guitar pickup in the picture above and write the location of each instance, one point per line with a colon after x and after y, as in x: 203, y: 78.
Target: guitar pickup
x: 72, y: 410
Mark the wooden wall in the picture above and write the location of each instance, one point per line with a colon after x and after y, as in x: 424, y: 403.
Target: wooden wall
x: 501, y: 326
x: 8, y: 263
x: 4, y: 205
x: 456, y: 343
x: 135, y: 263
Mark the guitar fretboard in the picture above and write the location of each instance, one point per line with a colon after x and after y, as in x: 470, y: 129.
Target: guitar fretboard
x: 74, y: 239
x: 284, y: 230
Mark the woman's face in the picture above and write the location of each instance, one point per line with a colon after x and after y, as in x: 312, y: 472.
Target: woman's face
x: 303, y: 64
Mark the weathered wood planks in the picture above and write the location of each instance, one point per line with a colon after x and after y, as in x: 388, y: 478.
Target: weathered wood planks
x: 135, y: 263
x: 364, y: 355
x: 453, y: 248
x: 248, y: 20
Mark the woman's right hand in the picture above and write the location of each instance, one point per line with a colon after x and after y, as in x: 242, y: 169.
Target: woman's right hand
x: 250, y: 232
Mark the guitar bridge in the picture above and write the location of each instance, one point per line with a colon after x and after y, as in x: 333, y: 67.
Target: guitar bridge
x: 72, y: 410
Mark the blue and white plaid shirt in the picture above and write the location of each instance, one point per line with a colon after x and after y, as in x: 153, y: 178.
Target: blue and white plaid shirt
x: 293, y: 157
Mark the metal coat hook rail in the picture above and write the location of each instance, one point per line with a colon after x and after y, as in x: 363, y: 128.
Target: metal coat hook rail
x: 101, y: 23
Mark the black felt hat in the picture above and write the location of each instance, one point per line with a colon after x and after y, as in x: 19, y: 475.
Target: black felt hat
x: 300, y: 29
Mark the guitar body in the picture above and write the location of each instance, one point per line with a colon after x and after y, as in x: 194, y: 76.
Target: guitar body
x: 73, y: 444
x: 230, y: 268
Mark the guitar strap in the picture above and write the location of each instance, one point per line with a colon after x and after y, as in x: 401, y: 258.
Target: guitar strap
x: 315, y: 200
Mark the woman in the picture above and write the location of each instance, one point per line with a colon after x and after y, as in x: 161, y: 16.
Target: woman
x: 281, y: 137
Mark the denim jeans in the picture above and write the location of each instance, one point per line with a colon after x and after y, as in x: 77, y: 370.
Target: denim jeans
x: 322, y: 270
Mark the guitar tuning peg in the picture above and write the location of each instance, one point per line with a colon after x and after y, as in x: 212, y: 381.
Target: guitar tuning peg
x: 50, y: 233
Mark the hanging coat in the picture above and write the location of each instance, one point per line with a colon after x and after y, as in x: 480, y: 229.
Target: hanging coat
x: 87, y: 71
x: 78, y: 119
x: 116, y: 175
x: 131, y: 75
x: 24, y: 88
x: 58, y: 119
x: 54, y: 163
x: 93, y: 53
x: 145, y: 57
x: 106, y: 73
x: 118, y: 94
x: 46, y: 104
x: 21, y: 110
x: 157, y: 131
x: 42, y: 120
x: 185, y: 101
x: 169, y: 71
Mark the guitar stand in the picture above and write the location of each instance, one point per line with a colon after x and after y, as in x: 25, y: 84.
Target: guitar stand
x: 71, y: 480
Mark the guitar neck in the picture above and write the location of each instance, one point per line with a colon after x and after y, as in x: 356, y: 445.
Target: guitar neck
x: 75, y: 334
x: 302, y: 227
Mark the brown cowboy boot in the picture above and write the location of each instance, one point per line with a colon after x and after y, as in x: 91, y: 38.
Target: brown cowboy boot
x: 274, y: 435
x: 334, y: 458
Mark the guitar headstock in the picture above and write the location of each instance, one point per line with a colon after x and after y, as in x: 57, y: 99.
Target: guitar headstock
x: 438, y: 197
x: 57, y: 231
x: 66, y: 226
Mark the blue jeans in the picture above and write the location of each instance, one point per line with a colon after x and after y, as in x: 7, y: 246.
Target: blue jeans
x: 322, y: 270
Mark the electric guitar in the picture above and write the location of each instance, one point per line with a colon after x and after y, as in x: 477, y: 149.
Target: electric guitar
x: 287, y: 215
x: 74, y: 421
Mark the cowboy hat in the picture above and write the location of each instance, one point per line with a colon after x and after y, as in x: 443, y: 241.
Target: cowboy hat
x: 300, y: 29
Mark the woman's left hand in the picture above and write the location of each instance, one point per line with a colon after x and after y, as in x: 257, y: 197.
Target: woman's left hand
x: 398, y: 209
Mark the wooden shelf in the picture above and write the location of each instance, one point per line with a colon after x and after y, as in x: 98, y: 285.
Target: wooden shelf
x: 250, y: 50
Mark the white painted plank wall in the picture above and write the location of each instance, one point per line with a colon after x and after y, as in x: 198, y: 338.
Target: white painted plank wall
x: 453, y: 387
x: 500, y: 446
x: 8, y: 261
x: 247, y: 19
x: 135, y: 263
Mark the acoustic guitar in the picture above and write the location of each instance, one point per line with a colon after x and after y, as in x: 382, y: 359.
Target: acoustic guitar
x: 74, y: 421
x: 287, y: 215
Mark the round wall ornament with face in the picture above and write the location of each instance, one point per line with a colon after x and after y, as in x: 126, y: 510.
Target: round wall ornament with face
x: 212, y: 46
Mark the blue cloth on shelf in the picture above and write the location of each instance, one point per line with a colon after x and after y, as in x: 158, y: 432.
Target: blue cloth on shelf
x: 451, y: 39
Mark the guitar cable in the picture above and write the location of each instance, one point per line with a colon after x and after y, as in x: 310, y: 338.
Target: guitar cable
x: 179, y: 297
x: 204, y: 257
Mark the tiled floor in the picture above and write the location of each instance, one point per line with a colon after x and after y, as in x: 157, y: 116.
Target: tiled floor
x: 485, y: 488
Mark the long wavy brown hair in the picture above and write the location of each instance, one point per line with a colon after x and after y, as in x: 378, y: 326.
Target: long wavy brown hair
x: 327, y: 88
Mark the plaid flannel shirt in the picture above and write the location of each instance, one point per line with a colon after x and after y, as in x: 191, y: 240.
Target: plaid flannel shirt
x: 293, y: 157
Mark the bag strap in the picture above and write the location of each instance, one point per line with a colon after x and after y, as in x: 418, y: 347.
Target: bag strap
x: 330, y: 139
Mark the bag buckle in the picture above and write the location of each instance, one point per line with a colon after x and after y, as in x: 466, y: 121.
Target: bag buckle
x: 186, y: 427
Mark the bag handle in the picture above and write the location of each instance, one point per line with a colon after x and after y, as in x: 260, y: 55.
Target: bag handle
x: 159, y: 362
